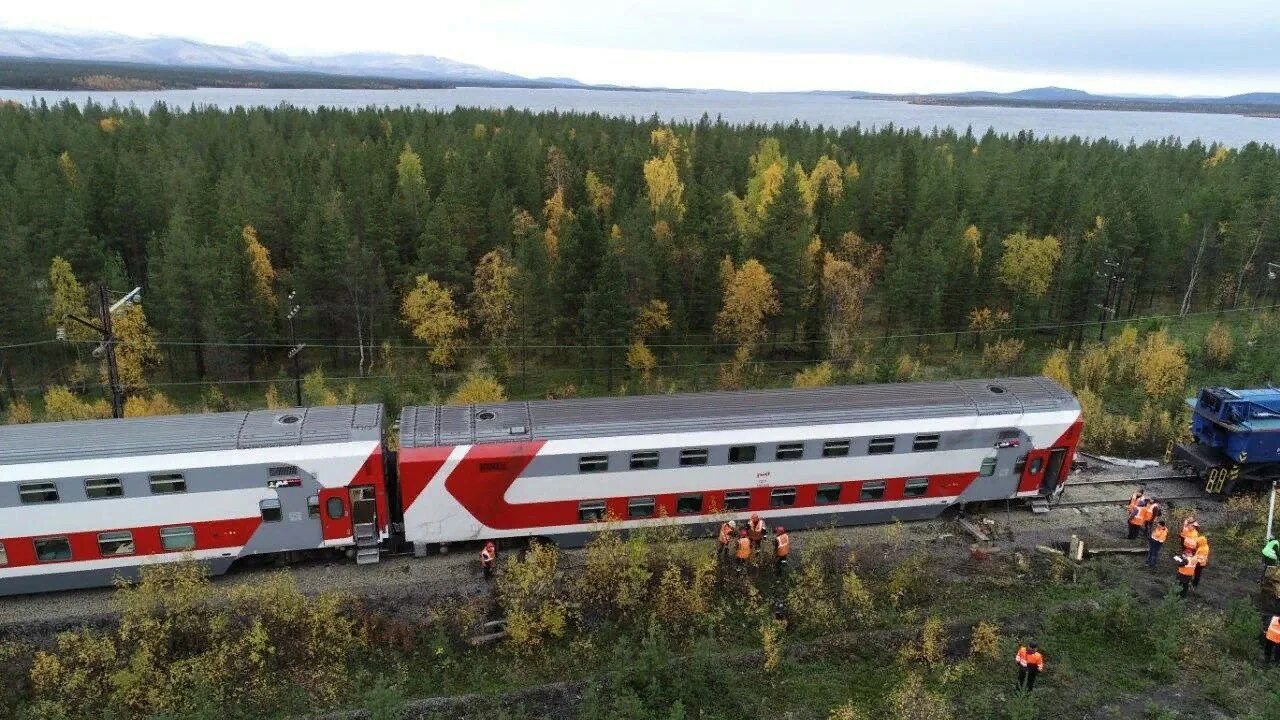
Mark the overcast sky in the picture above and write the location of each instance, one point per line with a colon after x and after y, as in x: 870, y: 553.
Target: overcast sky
x: 1184, y: 47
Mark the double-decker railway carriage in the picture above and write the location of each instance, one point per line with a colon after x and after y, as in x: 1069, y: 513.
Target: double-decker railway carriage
x: 842, y: 455
x: 1235, y: 438
x: 84, y: 502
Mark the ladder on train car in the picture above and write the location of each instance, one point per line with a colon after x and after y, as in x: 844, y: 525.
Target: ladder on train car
x: 367, y: 545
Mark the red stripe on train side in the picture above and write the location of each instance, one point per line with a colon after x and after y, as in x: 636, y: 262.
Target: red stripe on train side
x: 417, y: 466
x: 209, y: 535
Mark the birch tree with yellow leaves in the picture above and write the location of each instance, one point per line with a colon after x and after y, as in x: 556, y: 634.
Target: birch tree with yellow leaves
x: 429, y: 312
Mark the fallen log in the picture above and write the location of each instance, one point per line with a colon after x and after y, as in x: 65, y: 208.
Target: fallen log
x: 1116, y: 551
x: 977, y: 532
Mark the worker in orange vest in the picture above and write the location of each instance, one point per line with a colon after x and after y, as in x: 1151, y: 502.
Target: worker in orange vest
x: 1186, y: 572
x: 1155, y: 542
x: 1156, y: 511
x: 1030, y: 664
x: 1190, y: 531
x: 782, y: 548
x: 744, y: 549
x: 1128, y: 511
x: 726, y: 537
x: 1271, y: 649
x: 1202, y: 559
x: 756, y: 530
x: 488, y: 558
x: 1138, y: 518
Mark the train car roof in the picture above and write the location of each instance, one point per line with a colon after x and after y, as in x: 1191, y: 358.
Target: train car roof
x: 160, y: 435
x: 651, y: 414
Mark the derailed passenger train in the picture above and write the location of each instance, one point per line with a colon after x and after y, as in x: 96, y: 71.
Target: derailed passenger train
x: 82, y: 503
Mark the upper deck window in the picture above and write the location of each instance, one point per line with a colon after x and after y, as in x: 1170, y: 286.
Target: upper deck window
x: 696, y: 456
x: 789, y: 451
x: 168, y: 483
x: 40, y: 492
x: 103, y: 488
x: 593, y: 463
x: 925, y: 443
x: 742, y: 454
x: 645, y: 460
x: 880, y: 446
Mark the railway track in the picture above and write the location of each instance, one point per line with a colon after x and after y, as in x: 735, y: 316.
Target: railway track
x: 1122, y: 500
x: 1127, y: 480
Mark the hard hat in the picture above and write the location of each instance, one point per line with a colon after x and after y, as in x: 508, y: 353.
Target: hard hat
x: 742, y: 533
x: 732, y: 524
x: 755, y: 516
x: 780, y: 530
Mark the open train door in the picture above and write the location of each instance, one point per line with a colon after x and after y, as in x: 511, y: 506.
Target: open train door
x: 1053, y: 471
x: 364, y: 523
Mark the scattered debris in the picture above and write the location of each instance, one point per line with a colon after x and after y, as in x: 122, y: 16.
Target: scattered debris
x: 944, y: 536
x: 497, y: 630
x: 1129, y: 462
x: 977, y: 532
x: 1048, y: 550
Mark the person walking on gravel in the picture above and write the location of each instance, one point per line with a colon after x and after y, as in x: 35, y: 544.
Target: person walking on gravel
x: 782, y: 548
x: 744, y: 550
x: 488, y: 559
x: 1202, y: 559
x: 1271, y: 645
x: 1133, y: 505
x: 1156, y: 541
x: 1030, y: 664
x: 756, y: 530
x: 1138, y: 518
x: 725, y: 539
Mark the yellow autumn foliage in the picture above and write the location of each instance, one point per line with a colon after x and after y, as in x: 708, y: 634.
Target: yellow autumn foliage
x: 1162, y: 367
x: 67, y: 298
x: 478, y: 388
x: 61, y: 404
x: 1057, y: 366
x: 149, y: 406
x: 665, y: 189
x: 1219, y: 345
x: 1093, y: 370
x: 20, y: 413
x: 261, y: 274
x: 1002, y: 354
x: 554, y: 214
x: 599, y: 194
x: 750, y: 298
x: 136, y: 350
x: 493, y: 296
x: 819, y: 375
x: 429, y: 313
x: 1028, y: 263
x: 972, y: 244
x: 409, y: 172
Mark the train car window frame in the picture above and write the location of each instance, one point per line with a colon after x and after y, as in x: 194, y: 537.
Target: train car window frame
x: 1020, y: 464
x: 735, y: 500
x: 593, y: 463
x: 103, y: 488
x: 648, y: 504
x: 168, y: 483
x: 926, y: 443
x: 1037, y: 464
x: 835, y: 448
x: 42, y: 546
x: 742, y: 454
x: 882, y: 445
x: 591, y: 511
x: 789, y: 451
x: 644, y: 460
x: 313, y: 506
x: 173, y: 532
x: 116, y: 543
x: 4, y: 556
x: 988, y: 467
x: 38, y: 493
x: 829, y: 494
x: 684, y: 504
x: 271, y: 510
x: 871, y: 490
x: 335, y: 508
x: 693, y: 457
x: 782, y: 497
x: 916, y: 487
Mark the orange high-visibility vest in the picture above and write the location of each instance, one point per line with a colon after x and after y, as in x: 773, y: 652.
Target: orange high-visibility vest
x: 1160, y: 533
x: 756, y: 528
x: 726, y: 534
x: 1027, y: 659
x: 784, y: 544
x: 1189, y: 540
x: 1273, y: 630
x: 1133, y: 500
x: 1189, y: 568
x: 1202, y: 551
x: 1145, y: 513
x: 1135, y: 517
x: 486, y: 556
x: 744, y: 548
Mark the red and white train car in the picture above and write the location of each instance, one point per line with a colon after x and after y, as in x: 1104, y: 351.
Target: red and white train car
x: 842, y: 455
x: 82, y: 503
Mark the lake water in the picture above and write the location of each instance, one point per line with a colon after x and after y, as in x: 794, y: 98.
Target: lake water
x: 735, y: 107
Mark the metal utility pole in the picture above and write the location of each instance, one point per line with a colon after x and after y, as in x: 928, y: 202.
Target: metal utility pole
x: 108, y: 346
x: 1107, y: 308
x: 1271, y: 510
x: 293, y: 352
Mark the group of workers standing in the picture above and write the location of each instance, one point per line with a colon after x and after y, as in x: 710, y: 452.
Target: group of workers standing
x: 1144, y: 515
x: 750, y: 541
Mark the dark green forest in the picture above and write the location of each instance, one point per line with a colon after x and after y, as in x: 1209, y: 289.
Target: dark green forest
x: 574, y: 253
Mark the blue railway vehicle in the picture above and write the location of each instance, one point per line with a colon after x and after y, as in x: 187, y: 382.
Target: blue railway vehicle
x: 1235, y: 439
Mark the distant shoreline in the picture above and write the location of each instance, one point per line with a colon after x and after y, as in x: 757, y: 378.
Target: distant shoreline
x: 1120, y: 104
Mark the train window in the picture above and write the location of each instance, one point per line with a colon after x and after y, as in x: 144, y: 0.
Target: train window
x: 916, y: 487
x: 276, y: 471
x: 737, y: 500
x: 782, y: 497
x: 335, y: 509
x: 828, y: 494
x: 925, y: 443
x: 1020, y: 465
x: 988, y: 467
x: 880, y: 446
x: 54, y: 549
x: 696, y: 456
x: 41, y: 492
x: 593, y: 463
x: 646, y: 460
x: 168, y: 483
x: 270, y: 509
x: 789, y: 451
x: 872, y: 490
x: 591, y: 511
x: 178, y: 538
x: 117, y: 542
x: 103, y: 488
x: 742, y: 454
x: 688, y: 504
x: 1036, y: 465
x: 313, y: 506
x: 835, y: 448
x: 640, y: 508
x: 4, y: 555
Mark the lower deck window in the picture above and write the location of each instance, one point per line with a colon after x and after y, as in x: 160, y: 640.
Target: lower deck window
x: 828, y: 494
x: 988, y: 467
x: 313, y: 506
x: 1036, y: 465
x: 782, y: 497
x: 689, y: 505
x: 640, y: 508
x: 737, y: 500
x: 55, y: 549
x: 4, y: 556
x: 334, y: 508
x: 590, y: 511
x: 742, y: 454
x: 119, y: 542
x: 177, y: 539
x: 872, y: 490
x: 270, y: 510
x: 916, y: 487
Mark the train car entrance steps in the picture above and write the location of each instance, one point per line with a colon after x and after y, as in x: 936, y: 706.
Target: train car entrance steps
x: 1039, y: 506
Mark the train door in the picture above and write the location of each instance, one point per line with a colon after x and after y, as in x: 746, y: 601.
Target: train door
x: 364, y: 514
x: 1053, y: 470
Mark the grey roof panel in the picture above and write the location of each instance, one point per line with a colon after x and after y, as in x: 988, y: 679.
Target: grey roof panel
x: 89, y: 439
x: 645, y: 414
